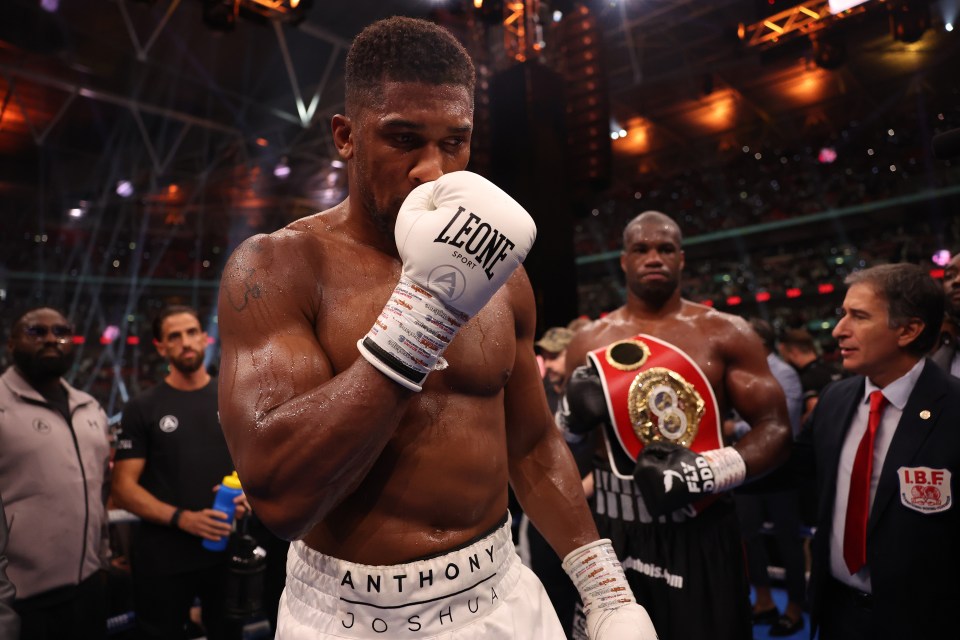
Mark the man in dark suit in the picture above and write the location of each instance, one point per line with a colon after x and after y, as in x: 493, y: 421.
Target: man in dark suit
x: 886, y: 554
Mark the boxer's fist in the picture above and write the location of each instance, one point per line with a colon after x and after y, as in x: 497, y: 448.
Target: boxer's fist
x: 628, y: 622
x: 459, y: 239
x: 670, y: 476
x: 612, y: 612
x: 584, y: 405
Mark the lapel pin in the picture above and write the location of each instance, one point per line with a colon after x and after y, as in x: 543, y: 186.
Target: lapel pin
x: 924, y: 415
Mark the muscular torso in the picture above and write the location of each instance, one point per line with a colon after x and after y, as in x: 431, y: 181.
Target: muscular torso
x: 729, y: 354
x: 703, y: 334
x: 441, y: 479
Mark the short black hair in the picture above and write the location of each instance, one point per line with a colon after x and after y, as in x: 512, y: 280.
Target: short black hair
x: 404, y: 49
x: 166, y: 312
x: 765, y: 330
x: 910, y: 293
x: 799, y: 338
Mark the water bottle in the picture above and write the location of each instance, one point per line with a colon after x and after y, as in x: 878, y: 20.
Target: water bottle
x: 229, y: 489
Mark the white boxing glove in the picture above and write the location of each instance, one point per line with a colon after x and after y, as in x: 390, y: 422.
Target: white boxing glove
x: 459, y: 237
x: 608, y: 603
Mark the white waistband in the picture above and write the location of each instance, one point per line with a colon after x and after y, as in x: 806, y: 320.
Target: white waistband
x: 415, y: 599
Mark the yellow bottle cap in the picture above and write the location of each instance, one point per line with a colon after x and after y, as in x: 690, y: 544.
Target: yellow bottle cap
x: 232, y: 481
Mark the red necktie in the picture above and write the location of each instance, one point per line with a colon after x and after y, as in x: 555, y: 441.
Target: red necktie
x: 858, y: 503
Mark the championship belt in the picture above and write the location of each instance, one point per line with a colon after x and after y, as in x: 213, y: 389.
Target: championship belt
x: 654, y: 393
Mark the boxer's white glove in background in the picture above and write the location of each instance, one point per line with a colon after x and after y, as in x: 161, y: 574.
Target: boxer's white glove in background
x: 608, y: 603
x: 459, y: 237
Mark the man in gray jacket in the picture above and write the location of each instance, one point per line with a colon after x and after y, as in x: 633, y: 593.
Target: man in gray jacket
x: 54, y: 452
x: 9, y: 622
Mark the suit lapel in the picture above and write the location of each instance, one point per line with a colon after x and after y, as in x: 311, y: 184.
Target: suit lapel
x: 912, y: 431
x: 836, y: 432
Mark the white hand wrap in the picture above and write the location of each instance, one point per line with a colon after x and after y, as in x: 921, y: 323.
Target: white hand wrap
x: 608, y: 602
x: 459, y: 238
x: 729, y: 469
x: 410, y: 334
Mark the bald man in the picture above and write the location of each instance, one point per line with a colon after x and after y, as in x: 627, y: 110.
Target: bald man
x: 657, y: 375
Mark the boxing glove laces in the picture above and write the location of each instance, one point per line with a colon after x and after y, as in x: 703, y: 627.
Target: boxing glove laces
x: 459, y: 238
x: 612, y: 612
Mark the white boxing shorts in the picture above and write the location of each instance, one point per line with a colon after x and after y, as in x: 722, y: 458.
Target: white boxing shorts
x: 481, y: 591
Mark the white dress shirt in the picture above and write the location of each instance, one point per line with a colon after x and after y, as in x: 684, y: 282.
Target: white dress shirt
x: 897, y: 393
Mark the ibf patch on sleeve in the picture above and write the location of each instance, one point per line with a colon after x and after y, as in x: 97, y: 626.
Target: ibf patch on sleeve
x: 924, y: 489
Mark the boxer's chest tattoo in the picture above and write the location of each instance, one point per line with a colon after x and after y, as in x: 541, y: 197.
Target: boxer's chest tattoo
x: 250, y: 289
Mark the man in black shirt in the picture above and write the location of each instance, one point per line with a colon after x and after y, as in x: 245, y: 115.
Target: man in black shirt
x: 797, y: 349
x: 170, y: 455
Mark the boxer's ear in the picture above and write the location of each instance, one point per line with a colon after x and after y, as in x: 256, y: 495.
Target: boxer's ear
x: 342, y: 128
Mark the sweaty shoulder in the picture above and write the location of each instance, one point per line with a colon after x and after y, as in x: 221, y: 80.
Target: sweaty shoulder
x: 288, y: 261
x: 729, y: 334
x: 717, y: 322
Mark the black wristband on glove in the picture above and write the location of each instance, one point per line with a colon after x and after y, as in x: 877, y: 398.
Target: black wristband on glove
x: 670, y: 476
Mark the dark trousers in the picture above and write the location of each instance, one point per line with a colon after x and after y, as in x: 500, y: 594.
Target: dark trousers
x: 78, y: 611
x: 783, y: 510
x: 162, y: 604
x: 845, y: 613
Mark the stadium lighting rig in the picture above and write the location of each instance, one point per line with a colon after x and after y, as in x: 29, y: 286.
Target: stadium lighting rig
x: 909, y: 19
x: 221, y: 15
x: 803, y: 19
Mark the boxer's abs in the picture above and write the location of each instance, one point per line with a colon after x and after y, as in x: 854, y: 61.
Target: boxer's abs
x: 437, y: 485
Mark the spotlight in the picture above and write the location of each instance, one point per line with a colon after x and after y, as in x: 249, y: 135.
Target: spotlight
x: 282, y: 170
x: 948, y: 26
x: 941, y: 257
x: 124, y: 188
x: 80, y: 210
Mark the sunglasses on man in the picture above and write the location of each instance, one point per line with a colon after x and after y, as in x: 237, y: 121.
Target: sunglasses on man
x: 61, y: 332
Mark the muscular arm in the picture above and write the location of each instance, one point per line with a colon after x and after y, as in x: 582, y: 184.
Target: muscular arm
x: 755, y: 394
x: 302, y: 437
x: 542, y: 470
x: 130, y: 495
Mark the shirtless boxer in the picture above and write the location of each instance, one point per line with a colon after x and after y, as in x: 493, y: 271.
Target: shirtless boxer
x: 355, y: 432
x: 673, y: 558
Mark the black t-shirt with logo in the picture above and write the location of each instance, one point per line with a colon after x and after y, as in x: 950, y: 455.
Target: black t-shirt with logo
x: 177, y: 434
